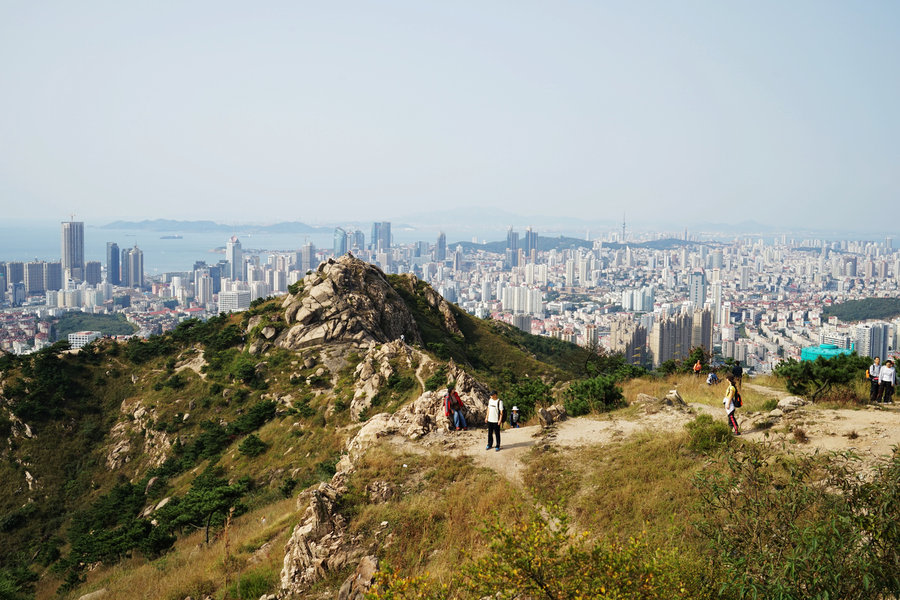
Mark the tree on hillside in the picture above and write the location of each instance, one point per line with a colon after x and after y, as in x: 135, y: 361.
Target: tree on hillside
x: 598, y: 394
x: 815, y: 378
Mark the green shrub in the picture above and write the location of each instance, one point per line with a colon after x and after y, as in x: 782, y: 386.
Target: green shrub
x: 706, y: 435
x: 770, y: 404
x: 597, y: 394
x: 252, y: 446
x: 253, y: 584
x: 438, y: 380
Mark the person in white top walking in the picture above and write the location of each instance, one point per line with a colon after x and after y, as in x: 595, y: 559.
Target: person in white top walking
x: 888, y: 378
x: 494, y: 418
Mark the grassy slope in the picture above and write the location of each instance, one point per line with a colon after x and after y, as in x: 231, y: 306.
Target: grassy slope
x: 302, y: 447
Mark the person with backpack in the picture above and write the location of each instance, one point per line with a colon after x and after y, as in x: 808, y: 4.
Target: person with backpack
x: 697, y: 368
x: 494, y: 418
x: 453, y: 408
x: 873, y: 375
x: 731, y: 401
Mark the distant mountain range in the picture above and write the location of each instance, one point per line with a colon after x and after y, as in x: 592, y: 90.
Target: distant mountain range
x: 212, y: 227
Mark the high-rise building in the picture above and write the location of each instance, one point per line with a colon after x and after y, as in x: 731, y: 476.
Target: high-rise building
x: 15, y: 273
x: 630, y: 339
x: 34, y: 277
x: 873, y: 339
x: 381, y: 236
x: 53, y: 279
x: 306, y: 258
x: 113, y: 272
x: 340, y: 242
x: 671, y: 338
x: 73, y: 249
x: 235, y: 257
x: 440, y: 248
x: 531, y: 245
x: 512, y: 248
x: 697, y: 289
x: 132, y: 265
x: 92, y: 272
x: 702, y: 330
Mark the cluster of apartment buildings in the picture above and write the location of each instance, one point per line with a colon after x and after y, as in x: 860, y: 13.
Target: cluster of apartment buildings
x: 653, y: 298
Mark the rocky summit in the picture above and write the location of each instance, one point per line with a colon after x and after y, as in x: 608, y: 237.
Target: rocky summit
x: 346, y: 301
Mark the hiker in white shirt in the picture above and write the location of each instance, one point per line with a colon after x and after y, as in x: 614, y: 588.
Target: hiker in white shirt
x: 494, y: 418
x: 888, y: 378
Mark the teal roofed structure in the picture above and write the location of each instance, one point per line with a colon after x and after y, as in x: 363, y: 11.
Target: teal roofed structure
x: 823, y: 350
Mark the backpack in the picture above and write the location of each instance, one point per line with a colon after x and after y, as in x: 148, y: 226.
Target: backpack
x: 736, y: 401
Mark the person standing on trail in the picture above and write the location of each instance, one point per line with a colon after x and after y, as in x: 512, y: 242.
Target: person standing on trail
x: 888, y: 379
x: 697, y: 368
x: 494, y: 418
x: 738, y: 372
x: 728, y: 401
x: 453, y: 408
x: 874, y: 380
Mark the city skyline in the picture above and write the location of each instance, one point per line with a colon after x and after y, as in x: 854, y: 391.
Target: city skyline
x: 778, y: 113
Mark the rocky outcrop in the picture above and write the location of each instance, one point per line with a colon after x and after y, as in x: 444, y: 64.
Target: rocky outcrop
x: 346, y: 301
x: 375, y: 369
x: 320, y: 544
x: 671, y: 401
x: 156, y: 444
x: 356, y: 586
x: 552, y: 414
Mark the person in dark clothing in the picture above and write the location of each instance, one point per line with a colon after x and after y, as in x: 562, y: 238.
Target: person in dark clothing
x: 873, y: 374
x: 738, y: 373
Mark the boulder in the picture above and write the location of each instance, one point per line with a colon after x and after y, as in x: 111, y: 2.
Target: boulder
x: 552, y: 414
x: 673, y: 398
x: 791, y: 403
x: 356, y: 586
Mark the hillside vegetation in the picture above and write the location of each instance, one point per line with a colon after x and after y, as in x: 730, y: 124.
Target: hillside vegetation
x: 865, y: 309
x: 287, y: 449
x: 72, y: 322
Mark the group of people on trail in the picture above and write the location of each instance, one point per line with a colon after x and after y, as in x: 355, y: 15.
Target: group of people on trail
x: 882, y: 379
x: 453, y: 409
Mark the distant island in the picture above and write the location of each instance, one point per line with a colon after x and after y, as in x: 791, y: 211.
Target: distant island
x: 212, y: 227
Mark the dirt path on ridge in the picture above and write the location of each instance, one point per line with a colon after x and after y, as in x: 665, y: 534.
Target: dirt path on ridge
x: 870, y: 432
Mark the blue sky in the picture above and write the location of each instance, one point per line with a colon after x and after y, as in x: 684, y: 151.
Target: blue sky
x: 672, y: 112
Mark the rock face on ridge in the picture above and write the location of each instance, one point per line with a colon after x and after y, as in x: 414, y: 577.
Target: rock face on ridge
x: 346, y: 300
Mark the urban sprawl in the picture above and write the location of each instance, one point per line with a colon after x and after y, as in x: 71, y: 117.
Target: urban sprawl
x: 652, y: 297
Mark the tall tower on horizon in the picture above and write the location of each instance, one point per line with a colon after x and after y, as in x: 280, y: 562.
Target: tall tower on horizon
x: 235, y: 257
x: 73, y: 249
x: 113, y: 272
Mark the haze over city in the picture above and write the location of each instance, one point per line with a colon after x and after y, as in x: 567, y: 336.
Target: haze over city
x: 682, y: 113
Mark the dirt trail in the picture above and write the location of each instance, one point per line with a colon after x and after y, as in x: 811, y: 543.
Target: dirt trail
x: 870, y: 432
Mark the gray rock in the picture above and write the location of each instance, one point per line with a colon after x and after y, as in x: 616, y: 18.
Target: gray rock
x: 346, y: 300
x: 93, y: 595
x: 356, y: 586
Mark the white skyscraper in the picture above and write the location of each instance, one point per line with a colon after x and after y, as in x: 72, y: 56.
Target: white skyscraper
x: 73, y: 249
x: 235, y: 257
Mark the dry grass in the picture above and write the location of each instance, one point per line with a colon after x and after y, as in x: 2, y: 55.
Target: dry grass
x: 641, y: 487
x: 433, y: 520
x: 692, y: 389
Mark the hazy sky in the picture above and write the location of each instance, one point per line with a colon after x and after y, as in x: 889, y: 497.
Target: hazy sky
x: 780, y: 112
